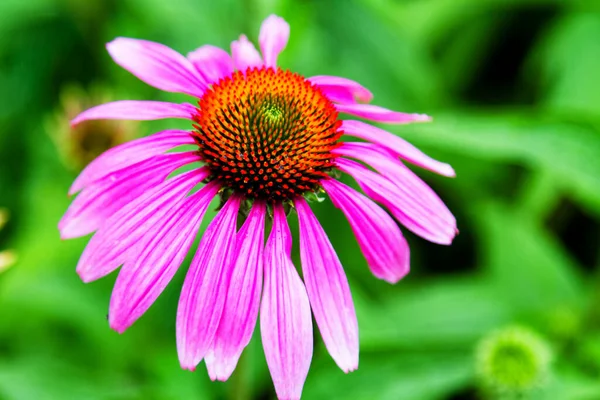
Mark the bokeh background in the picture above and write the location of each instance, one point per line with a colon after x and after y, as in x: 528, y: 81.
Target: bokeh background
x: 514, y: 88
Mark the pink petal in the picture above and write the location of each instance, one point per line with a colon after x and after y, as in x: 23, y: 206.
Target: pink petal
x: 404, y: 206
x: 379, y: 238
x: 157, y: 65
x: 273, y: 37
x: 205, y: 287
x: 136, y: 110
x: 243, y: 297
x: 380, y: 114
x: 285, y: 321
x: 98, y: 202
x: 212, y: 62
x: 342, y: 90
x: 328, y: 290
x: 396, y: 145
x: 130, y: 153
x: 115, y: 242
x: 158, y: 256
x: 245, y: 54
x: 393, y: 169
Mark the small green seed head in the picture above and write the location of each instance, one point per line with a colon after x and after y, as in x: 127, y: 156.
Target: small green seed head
x: 512, y: 361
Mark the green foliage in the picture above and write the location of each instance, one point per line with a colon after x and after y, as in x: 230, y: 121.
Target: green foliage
x: 514, y: 90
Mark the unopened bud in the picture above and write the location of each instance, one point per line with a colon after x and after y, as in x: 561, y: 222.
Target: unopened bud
x: 512, y: 361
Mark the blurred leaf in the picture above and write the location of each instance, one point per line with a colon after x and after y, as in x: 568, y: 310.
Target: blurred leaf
x: 391, y: 376
x: 443, y: 314
x: 568, y: 152
x: 530, y: 267
x: 45, y: 378
x: 569, y: 58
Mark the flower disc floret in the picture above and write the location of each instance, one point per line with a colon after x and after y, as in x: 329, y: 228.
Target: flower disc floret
x: 267, y: 134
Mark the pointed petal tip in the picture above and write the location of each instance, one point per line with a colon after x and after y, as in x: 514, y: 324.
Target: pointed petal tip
x: 218, y: 377
x: 448, y: 239
x: 116, y: 326
x: 422, y: 118
x: 365, y: 96
x: 61, y: 232
x: 214, y: 372
x: 64, y: 236
x: 110, y: 46
x: 87, y: 273
x: 351, y: 368
x: 75, y: 187
x: 349, y: 363
x: 187, y: 365
x: 395, y: 279
x: 221, y: 369
x: 446, y: 170
x: 68, y: 232
x: 83, y: 275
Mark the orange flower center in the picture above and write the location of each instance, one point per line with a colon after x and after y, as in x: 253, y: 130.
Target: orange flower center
x: 267, y: 134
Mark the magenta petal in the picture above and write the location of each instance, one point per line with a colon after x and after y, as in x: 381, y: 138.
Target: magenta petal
x: 205, y: 287
x: 285, y: 321
x: 157, y: 65
x: 243, y: 297
x: 380, y: 158
x: 396, y: 145
x: 98, y: 202
x: 158, y: 256
x: 115, y: 242
x: 273, y: 37
x: 380, y: 114
x: 245, y: 54
x: 328, y: 290
x: 129, y: 154
x: 379, y: 238
x: 212, y: 62
x: 341, y: 90
x: 138, y: 110
x: 408, y: 207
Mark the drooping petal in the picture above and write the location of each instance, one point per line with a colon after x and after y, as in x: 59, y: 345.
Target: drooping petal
x: 410, y: 185
x: 380, y: 114
x: 404, y: 206
x: 273, y: 37
x: 245, y: 54
x: 99, y: 201
x: 114, y: 243
x: 342, y: 90
x: 143, y: 278
x: 285, y: 321
x: 138, y: 110
x: 129, y: 153
x: 212, y: 62
x: 205, y: 287
x: 395, y: 144
x: 157, y: 65
x: 243, y: 297
x: 328, y: 290
x: 378, y: 236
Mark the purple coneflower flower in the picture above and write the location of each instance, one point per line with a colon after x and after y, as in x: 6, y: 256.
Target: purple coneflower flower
x: 267, y: 139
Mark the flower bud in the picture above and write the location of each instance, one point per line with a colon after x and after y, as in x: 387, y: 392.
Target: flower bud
x: 512, y: 361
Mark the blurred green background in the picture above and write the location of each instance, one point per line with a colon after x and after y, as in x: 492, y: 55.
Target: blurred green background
x: 514, y: 88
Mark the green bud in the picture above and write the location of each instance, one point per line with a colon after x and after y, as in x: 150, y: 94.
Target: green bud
x: 512, y: 361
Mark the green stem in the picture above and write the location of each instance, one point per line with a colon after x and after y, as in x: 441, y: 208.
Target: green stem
x: 239, y: 381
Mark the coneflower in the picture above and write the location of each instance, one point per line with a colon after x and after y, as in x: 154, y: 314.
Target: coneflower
x: 267, y: 140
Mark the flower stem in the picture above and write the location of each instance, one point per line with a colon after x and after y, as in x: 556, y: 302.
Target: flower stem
x: 239, y: 381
